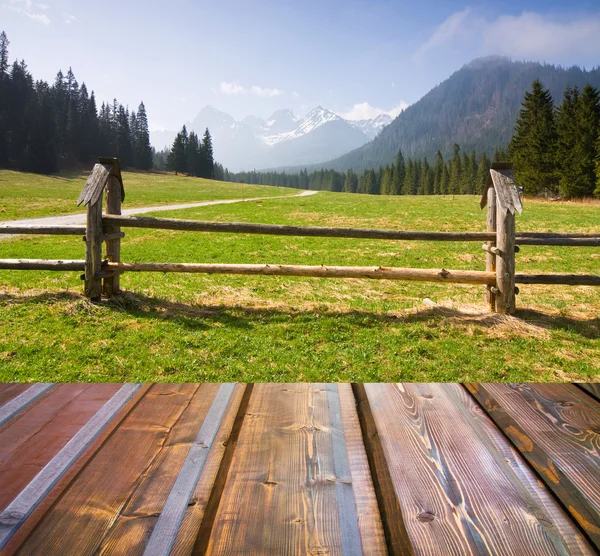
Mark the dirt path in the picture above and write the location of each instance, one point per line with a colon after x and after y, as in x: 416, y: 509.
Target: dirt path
x: 78, y: 219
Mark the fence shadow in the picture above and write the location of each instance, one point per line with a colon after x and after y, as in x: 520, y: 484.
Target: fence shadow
x: 526, y: 321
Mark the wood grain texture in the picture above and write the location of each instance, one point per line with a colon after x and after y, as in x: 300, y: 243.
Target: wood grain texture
x: 490, y: 258
x: 8, y: 391
x: 29, y: 443
x: 284, y: 463
x: 94, y: 185
x: 90, y: 505
x: 93, y: 250
x: 455, y: 482
x: 14, y: 407
x: 131, y: 530
x: 556, y: 427
x: 505, y: 264
x: 112, y: 235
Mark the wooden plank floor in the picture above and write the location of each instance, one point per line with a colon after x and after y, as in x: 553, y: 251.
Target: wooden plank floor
x: 299, y: 469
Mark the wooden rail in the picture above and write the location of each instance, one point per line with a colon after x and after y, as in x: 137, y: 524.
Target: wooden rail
x: 39, y: 264
x: 43, y: 230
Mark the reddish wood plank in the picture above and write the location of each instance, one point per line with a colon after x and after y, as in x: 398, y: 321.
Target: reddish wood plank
x: 89, y: 506
x: 29, y: 443
x: 282, y: 494
x: 9, y: 391
x: 557, y: 429
x: 459, y: 484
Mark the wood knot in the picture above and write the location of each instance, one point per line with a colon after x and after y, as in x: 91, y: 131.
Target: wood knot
x: 427, y: 396
x: 298, y: 520
x: 426, y: 517
x: 202, y: 445
x: 444, y: 273
x: 566, y: 404
x: 269, y: 483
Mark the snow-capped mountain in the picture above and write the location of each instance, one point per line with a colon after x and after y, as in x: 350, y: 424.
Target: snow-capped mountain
x: 282, y: 140
x: 372, y: 128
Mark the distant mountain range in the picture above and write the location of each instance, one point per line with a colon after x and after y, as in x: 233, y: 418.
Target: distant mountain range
x: 282, y: 140
x: 476, y: 107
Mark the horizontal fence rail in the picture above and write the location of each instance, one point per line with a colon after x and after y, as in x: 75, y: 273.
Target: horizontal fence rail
x: 373, y: 272
x: 38, y: 264
x: 43, y: 230
x: 278, y: 230
x: 566, y: 279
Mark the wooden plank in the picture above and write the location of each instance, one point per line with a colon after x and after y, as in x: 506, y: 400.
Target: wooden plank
x: 43, y: 230
x: 93, y: 251
x: 592, y: 388
x: 28, y: 499
x: 31, y: 441
x: 87, y: 509
x: 112, y: 235
x: 279, y: 230
x: 166, y: 528
x: 505, y: 264
x: 285, y: 463
x: 490, y: 258
x: 556, y: 427
x: 460, y: 486
x: 369, y: 272
x: 95, y: 184
x: 569, y: 241
x: 8, y: 391
x: 48, y: 501
x: 17, y: 404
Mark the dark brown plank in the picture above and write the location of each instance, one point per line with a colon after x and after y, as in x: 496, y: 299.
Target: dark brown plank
x: 291, y: 488
x: 29, y: 443
x: 83, y: 515
x: 9, y: 391
x: 460, y: 486
x: 131, y: 530
x: 556, y: 427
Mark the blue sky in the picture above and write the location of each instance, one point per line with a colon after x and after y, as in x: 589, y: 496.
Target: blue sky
x: 253, y: 57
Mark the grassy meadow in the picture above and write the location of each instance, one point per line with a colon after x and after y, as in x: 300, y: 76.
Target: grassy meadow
x: 24, y: 195
x: 177, y: 327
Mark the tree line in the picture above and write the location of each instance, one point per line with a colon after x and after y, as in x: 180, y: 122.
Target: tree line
x: 555, y: 150
x: 47, y: 127
x: 462, y: 174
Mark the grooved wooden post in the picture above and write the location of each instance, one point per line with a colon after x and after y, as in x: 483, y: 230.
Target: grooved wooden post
x: 113, y: 245
x: 93, y: 250
x: 490, y: 259
x: 505, y: 263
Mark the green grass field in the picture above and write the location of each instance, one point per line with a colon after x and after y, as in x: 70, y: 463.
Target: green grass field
x: 25, y: 195
x: 178, y: 327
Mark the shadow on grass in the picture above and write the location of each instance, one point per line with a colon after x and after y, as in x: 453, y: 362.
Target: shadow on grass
x: 527, y: 322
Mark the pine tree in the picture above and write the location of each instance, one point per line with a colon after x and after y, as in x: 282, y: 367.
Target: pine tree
x: 533, y: 146
x: 588, y: 123
x: 177, y: 161
x: 349, y: 186
x: 143, y: 150
x: 482, y: 173
x: 438, y: 171
x: 399, y: 174
x: 387, y: 187
x: 409, y: 178
x: 207, y: 154
x: 4, y: 44
x: 455, y: 171
x: 445, y: 181
x: 124, y: 150
x: 567, y: 117
x: 193, y: 155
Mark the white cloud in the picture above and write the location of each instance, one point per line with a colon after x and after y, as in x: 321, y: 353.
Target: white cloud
x: 26, y: 8
x: 364, y: 111
x: 69, y: 18
x: 232, y: 88
x: 446, y: 31
x: 529, y: 35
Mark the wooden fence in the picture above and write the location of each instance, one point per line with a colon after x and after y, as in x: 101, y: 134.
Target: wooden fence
x: 501, y: 242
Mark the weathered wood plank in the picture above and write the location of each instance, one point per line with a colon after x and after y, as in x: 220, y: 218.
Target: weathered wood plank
x: 460, y: 486
x: 280, y: 230
x: 490, y: 258
x: 505, y: 263
x: 11, y: 408
x: 568, y: 241
x: 28, y: 443
x: 43, y: 230
x: 87, y: 509
x: 556, y: 427
x: 40, y: 264
x: 112, y: 235
x: 285, y: 463
x: 566, y: 279
x: 93, y: 250
x: 29, y: 498
x: 95, y: 184
x: 369, y: 272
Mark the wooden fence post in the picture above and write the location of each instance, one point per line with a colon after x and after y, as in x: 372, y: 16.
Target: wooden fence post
x: 93, y: 250
x: 490, y: 259
x: 112, y: 233
x: 505, y: 261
